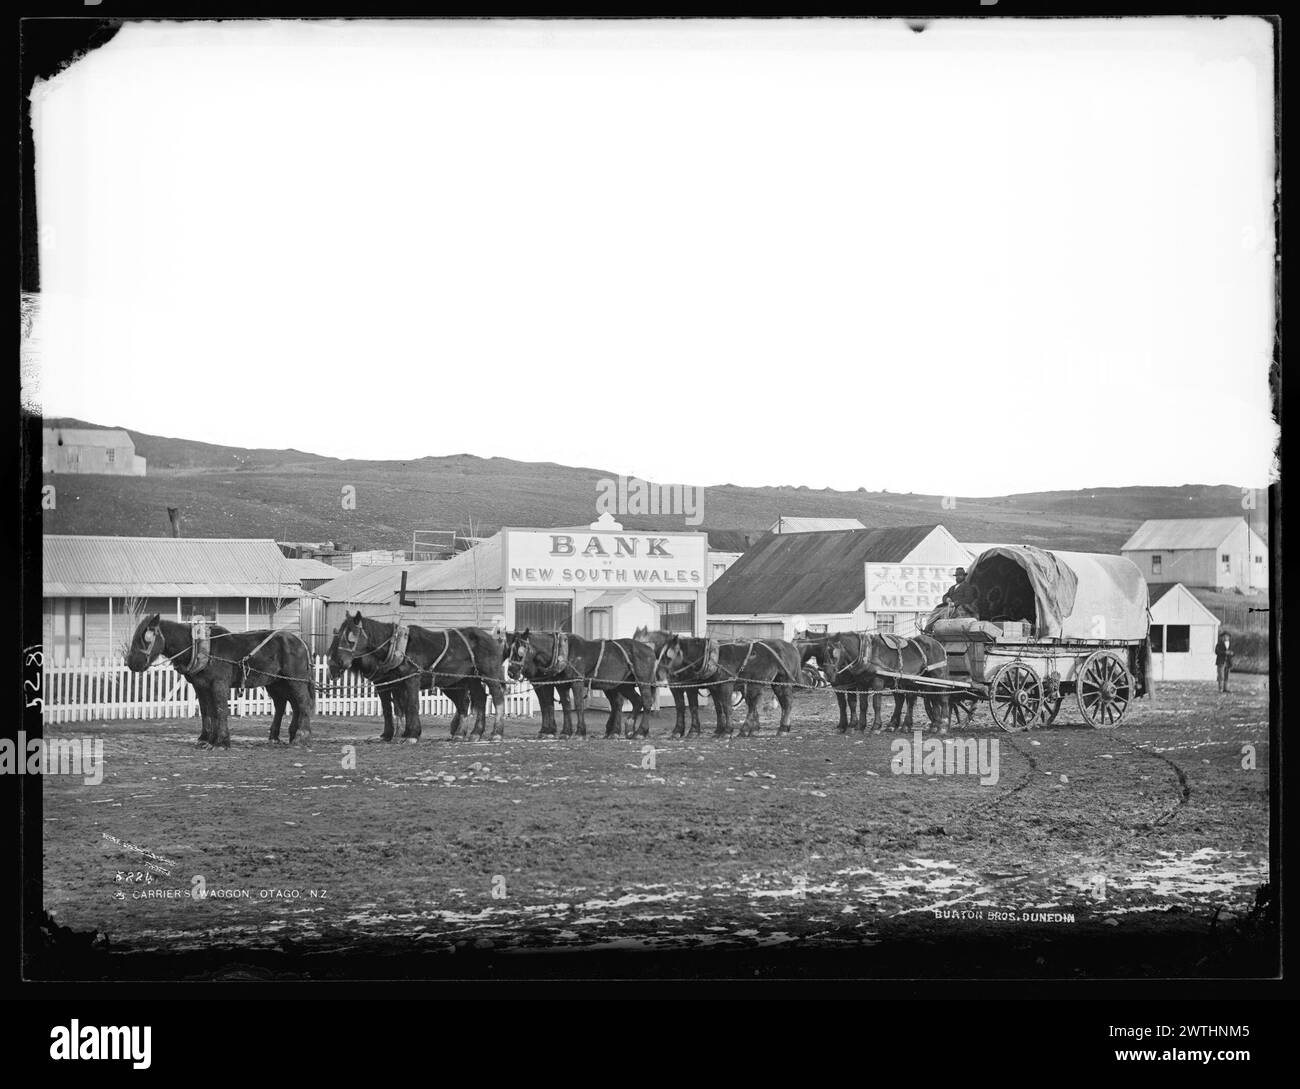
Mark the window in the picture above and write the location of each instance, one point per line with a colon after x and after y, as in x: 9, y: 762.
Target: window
x: 544, y: 615
x: 1259, y: 559
x: 1157, y: 638
x: 1155, y: 565
x: 1226, y: 561
x: 112, y: 455
x: 677, y: 616
x: 199, y: 606
x: 1178, y: 639
x: 884, y: 622
x: 74, y: 457
x: 817, y: 629
x: 69, y: 630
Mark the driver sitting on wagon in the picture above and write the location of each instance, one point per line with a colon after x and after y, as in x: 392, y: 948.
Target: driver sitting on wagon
x: 961, y: 596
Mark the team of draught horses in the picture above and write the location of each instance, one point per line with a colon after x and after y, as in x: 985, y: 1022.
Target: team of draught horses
x: 469, y: 664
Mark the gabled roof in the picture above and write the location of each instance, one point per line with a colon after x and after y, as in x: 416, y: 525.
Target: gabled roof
x: 74, y: 566
x: 476, y: 568
x: 793, y: 573
x: 1182, y: 533
x: 1158, y: 590
x: 799, y: 524
x: 84, y: 436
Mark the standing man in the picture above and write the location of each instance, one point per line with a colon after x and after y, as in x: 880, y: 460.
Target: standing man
x: 1223, y: 659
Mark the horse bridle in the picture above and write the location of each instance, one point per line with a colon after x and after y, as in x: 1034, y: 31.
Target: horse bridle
x: 352, y: 647
x: 693, y: 667
x: 521, y: 642
x: 837, y: 669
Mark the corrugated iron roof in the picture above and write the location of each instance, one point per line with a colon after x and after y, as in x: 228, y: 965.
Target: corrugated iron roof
x: 1182, y: 533
x: 82, y: 436
x: 476, y: 568
x: 731, y: 540
x: 789, y: 573
x: 165, y: 567
x: 800, y: 524
x: 307, y: 568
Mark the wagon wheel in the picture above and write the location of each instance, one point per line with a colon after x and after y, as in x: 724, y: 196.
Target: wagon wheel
x: 1104, y: 689
x: 1015, y: 697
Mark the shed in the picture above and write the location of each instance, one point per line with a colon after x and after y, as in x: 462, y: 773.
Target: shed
x: 1183, y: 635
x: 103, y: 451
x: 1215, y: 553
x: 95, y: 588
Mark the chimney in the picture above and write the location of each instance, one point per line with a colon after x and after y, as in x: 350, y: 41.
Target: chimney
x: 174, y: 516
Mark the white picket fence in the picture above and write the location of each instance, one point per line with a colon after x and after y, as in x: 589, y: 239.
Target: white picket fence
x: 105, y: 689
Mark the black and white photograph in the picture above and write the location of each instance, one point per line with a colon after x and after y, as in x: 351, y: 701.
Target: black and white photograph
x: 650, y: 499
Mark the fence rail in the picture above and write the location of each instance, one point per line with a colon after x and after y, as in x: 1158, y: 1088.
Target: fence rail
x: 1241, y: 618
x: 105, y: 689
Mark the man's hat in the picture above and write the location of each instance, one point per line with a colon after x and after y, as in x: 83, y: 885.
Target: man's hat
x: 960, y: 573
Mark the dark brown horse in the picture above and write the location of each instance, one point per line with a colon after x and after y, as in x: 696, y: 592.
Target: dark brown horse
x: 370, y: 666
x: 403, y: 660
x: 870, y: 660
x: 683, y: 695
x: 278, y: 661
x: 554, y: 662
x: 751, y: 664
x: 851, y: 697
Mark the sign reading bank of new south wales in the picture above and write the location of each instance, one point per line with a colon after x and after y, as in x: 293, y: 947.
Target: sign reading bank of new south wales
x: 586, y: 558
x: 907, y: 587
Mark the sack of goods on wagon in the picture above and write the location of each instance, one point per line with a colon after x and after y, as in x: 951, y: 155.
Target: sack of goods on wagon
x: 1028, y: 628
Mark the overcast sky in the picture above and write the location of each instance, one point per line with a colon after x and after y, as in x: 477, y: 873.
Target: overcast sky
x: 983, y: 259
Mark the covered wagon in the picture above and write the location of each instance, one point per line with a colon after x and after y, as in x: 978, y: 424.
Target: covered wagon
x: 1047, y: 626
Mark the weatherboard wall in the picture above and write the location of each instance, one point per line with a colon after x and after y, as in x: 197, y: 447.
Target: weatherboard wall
x: 105, y: 627
x: 1247, y: 566
x: 432, y: 609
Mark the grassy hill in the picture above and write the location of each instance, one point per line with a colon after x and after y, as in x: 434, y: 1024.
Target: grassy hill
x: 226, y: 491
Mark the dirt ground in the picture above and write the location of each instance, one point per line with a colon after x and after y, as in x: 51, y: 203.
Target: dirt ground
x: 1130, y: 852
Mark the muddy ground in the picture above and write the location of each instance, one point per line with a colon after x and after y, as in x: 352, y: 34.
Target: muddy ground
x: 1132, y: 852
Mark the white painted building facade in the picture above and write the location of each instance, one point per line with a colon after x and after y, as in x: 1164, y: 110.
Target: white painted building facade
x: 1183, y: 635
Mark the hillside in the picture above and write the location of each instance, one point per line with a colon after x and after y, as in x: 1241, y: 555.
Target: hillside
x: 225, y: 491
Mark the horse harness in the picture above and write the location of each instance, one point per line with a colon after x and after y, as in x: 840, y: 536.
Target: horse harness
x: 200, y: 646
x: 709, y: 665
x: 595, y: 673
x: 244, y: 667
x: 402, y: 635
x: 559, y: 655
x: 889, y: 641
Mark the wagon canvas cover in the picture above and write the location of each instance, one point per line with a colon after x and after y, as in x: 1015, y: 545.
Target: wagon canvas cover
x: 1077, y: 595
